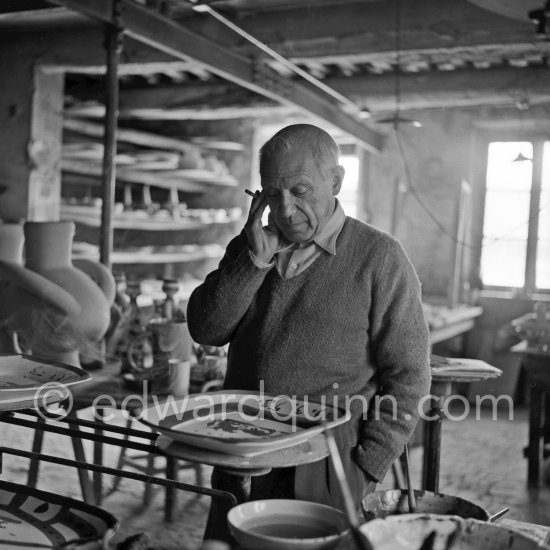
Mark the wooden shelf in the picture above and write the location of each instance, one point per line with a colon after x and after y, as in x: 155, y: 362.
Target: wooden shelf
x: 154, y: 255
x: 91, y: 216
x: 192, y: 181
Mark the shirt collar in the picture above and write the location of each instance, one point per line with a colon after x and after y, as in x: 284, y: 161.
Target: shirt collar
x: 329, y: 234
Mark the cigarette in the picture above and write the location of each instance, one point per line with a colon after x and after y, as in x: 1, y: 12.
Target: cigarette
x: 248, y: 192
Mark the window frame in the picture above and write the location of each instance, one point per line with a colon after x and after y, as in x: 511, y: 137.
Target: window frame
x: 537, y: 139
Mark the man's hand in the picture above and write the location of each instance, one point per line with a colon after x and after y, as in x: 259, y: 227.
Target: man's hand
x: 263, y: 241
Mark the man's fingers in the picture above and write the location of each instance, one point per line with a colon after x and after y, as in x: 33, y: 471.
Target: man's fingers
x: 259, y: 203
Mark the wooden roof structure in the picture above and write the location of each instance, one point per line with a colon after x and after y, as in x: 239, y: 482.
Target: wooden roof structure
x: 200, y: 59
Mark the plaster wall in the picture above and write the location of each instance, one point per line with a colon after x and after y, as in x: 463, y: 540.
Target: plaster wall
x: 428, y: 164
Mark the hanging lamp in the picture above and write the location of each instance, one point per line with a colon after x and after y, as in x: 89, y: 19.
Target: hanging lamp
x: 521, y: 105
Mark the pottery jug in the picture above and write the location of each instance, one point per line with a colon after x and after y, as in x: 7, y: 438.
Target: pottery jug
x: 57, y: 309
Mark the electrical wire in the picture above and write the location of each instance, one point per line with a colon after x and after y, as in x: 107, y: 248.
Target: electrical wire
x: 435, y: 220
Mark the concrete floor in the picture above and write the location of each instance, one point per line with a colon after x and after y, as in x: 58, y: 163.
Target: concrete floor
x: 482, y: 461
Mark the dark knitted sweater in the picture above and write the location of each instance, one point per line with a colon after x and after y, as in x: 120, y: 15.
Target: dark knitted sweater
x: 351, y: 324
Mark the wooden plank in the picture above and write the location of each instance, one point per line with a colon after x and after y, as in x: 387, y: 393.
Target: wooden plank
x: 435, y: 89
x: 44, y: 150
x: 423, y: 90
x: 166, y: 179
x: 135, y: 137
x: 194, y: 113
x: 172, y: 38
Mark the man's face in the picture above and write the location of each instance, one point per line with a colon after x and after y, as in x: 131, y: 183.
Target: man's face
x: 299, y: 195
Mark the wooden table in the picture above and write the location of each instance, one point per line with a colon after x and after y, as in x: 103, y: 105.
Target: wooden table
x: 454, y: 323
x: 440, y: 390
x: 536, y: 363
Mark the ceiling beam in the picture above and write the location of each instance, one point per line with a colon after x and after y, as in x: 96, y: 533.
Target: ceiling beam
x: 425, y: 90
x: 459, y: 88
x: 162, y: 33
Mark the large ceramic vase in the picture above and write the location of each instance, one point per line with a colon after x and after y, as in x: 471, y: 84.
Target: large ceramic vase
x: 59, y: 311
x: 11, y: 251
x: 11, y: 243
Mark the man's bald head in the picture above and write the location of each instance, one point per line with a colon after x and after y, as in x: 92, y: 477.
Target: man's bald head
x: 322, y: 146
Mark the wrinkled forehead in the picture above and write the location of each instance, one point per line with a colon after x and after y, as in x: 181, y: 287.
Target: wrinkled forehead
x: 284, y: 161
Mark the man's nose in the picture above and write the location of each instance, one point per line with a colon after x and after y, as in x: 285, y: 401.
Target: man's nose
x: 287, y: 206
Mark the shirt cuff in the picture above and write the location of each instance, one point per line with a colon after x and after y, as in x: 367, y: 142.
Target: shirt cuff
x: 260, y: 264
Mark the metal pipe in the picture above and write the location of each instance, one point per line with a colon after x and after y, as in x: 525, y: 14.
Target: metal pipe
x: 116, y: 441
x: 94, y: 424
x: 113, y: 45
x: 122, y: 473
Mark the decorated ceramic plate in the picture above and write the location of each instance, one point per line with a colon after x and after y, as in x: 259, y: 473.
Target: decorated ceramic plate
x: 21, y: 373
x: 30, y: 518
x: 239, y: 422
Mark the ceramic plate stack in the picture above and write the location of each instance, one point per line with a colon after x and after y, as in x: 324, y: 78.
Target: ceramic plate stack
x: 241, y: 423
x: 30, y: 382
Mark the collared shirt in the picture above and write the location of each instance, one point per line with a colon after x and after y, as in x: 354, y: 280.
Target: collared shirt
x: 296, y: 258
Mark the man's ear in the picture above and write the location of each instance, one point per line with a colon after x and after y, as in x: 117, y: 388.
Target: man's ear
x: 337, y: 179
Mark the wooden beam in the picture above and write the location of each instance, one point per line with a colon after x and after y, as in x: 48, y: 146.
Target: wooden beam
x: 135, y: 137
x: 170, y: 37
x: 183, y: 180
x: 205, y: 113
x: 460, y: 88
x: 423, y: 90
x: 44, y: 148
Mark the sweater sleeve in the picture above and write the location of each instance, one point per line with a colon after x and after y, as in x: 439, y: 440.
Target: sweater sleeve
x: 399, y: 349
x: 217, y: 306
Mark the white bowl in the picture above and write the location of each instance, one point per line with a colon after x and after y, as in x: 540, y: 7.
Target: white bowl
x: 275, y: 524
x: 409, y: 531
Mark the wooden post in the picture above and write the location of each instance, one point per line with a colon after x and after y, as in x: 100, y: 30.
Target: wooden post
x: 113, y: 44
x: 30, y: 150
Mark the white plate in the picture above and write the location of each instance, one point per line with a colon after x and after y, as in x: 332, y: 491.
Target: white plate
x: 241, y: 423
x: 21, y: 373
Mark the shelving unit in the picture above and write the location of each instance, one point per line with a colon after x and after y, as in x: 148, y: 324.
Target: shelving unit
x: 150, y: 239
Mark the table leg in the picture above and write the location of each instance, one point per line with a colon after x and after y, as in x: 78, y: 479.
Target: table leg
x: 432, y: 436
x: 432, y: 450
x: 239, y: 485
x: 98, y: 459
x: 171, y: 499
x: 78, y: 448
x: 534, y: 447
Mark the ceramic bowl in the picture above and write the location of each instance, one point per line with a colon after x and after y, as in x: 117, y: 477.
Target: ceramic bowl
x: 290, y: 524
x: 410, y: 532
x: 385, y: 503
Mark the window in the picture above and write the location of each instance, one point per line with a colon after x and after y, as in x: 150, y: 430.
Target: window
x: 516, y: 227
x: 349, y: 194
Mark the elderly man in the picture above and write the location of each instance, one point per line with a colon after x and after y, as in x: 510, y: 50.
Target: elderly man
x: 318, y: 304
